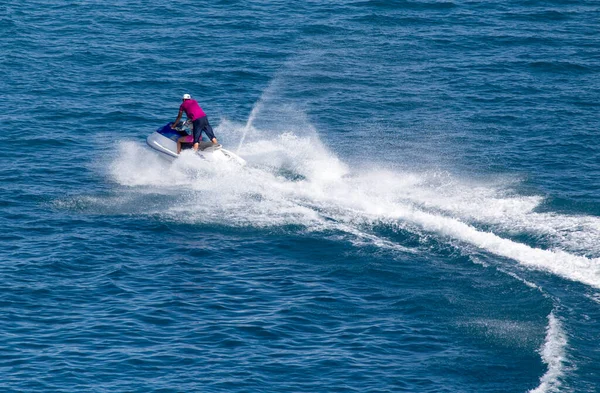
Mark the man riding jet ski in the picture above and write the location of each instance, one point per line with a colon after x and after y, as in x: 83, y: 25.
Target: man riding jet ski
x: 199, y: 120
x: 171, y: 138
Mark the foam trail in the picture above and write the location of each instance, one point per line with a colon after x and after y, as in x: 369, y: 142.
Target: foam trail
x: 515, y: 214
x: 293, y: 180
x: 559, y: 262
x: 553, y: 354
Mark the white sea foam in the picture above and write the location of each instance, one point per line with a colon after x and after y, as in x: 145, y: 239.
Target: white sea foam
x: 494, y: 204
x: 554, y: 356
x: 295, y: 180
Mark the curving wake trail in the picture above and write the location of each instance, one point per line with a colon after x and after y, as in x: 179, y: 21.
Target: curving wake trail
x: 295, y: 180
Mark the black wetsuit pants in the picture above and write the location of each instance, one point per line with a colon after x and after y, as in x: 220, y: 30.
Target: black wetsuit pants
x: 200, y: 125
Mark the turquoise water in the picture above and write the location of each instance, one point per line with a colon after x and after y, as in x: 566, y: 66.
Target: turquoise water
x: 420, y: 211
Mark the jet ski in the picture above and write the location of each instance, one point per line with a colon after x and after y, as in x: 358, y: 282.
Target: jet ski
x: 164, y: 140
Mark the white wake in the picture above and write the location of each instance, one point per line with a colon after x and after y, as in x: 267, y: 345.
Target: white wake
x: 293, y: 179
x: 553, y: 355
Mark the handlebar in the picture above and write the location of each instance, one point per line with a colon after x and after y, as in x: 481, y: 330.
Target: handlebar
x: 181, y: 126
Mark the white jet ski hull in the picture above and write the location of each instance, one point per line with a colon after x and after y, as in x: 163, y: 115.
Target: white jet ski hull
x: 164, y: 140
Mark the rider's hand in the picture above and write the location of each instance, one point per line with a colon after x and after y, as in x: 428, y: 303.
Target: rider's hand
x: 196, y: 146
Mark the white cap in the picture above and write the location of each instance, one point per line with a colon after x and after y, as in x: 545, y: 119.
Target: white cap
x: 187, y: 97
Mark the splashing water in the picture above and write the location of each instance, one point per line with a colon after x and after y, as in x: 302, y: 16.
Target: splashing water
x: 255, y: 110
x: 294, y: 180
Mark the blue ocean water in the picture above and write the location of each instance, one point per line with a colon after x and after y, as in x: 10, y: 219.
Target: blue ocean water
x: 420, y: 211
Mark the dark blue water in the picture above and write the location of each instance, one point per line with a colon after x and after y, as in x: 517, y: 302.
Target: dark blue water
x: 420, y: 211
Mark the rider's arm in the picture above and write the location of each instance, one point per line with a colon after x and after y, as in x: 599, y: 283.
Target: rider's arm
x: 177, y: 120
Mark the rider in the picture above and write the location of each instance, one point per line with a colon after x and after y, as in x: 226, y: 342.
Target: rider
x: 199, y: 121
